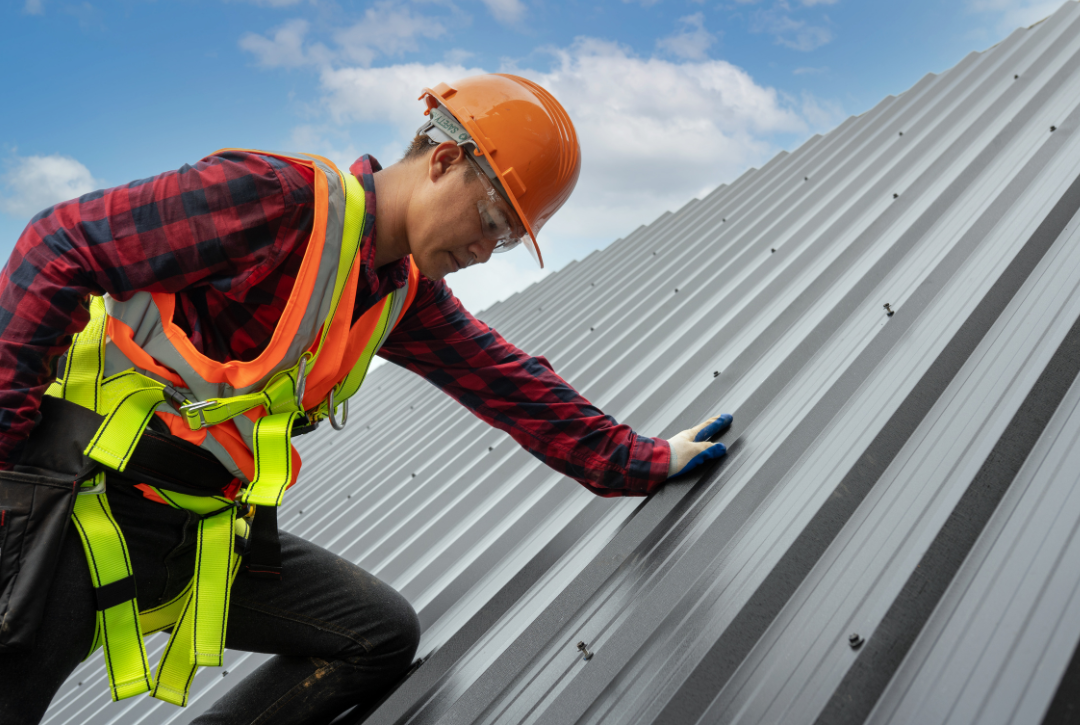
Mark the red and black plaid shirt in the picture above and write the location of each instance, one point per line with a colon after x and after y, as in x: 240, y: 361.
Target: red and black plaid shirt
x: 227, y: 236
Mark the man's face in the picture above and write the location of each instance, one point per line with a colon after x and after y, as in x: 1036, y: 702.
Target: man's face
x: 455, y: 220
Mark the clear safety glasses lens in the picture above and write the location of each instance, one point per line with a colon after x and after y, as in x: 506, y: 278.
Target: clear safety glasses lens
x: 497, y: 227
x: 494, y: 220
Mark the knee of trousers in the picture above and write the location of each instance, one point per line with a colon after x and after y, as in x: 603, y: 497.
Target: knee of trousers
x: 393, y: 643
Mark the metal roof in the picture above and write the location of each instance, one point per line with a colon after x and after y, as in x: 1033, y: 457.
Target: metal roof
x: 907, y: 480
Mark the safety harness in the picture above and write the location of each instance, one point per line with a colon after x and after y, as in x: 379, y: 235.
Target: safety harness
x: 126, y: 402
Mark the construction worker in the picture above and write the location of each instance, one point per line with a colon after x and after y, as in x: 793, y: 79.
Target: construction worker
x: 162, y: 341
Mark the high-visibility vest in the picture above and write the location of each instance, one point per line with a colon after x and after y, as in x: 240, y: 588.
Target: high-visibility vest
x: 132, y: 361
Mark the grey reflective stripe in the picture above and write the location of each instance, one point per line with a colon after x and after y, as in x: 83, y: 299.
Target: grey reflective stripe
x: 142, y: 316
x: 397, y: 309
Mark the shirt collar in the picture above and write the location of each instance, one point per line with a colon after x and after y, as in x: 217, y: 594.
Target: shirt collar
x: 392, y: 276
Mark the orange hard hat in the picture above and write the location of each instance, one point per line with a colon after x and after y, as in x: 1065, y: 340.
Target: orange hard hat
x: 523, y: 138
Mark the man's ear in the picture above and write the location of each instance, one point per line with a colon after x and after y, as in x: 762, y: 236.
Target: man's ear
x: 443, y: 158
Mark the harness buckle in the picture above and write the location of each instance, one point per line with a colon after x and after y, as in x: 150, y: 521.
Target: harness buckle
x: 174, y: 398
x: 198, y: 407
x: 97, y: 488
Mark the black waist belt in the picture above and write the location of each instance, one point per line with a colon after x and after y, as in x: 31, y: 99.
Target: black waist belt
x: 160, y: 459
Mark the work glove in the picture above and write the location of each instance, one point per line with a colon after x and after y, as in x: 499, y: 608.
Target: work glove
x: 691, y: 448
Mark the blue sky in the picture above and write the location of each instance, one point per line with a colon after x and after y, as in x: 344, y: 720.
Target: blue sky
x: 670, y: 97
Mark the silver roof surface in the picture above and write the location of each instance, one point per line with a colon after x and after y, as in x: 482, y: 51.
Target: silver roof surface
x: 908, y: 480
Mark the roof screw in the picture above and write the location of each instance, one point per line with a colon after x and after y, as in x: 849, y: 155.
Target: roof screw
x: 896, y: 196
x: 724, y: 219
x: 414, y: 475
x: 772, y: 251
x: 1053, y: 128
x: 901, y: 133
x: 491, y: 448
x: 889, y: 310
x: 80, y: 684
x: 581, y: 647
x: 855, y: 641
x: 593, y: 329
x: 654, y: 254
x: 716, y: 373
x: 224, y: 672
x: 349, y: 496
x: 1015, y: 77
x: 806, y: 178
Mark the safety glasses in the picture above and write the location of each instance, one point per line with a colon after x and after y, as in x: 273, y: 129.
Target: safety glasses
x: 497, y: 225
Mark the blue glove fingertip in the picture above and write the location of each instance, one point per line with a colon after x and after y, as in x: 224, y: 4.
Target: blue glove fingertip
x: 715, y: 428
x: 714, y: 451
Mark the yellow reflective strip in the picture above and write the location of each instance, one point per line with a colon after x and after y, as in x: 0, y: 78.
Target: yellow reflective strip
x: 107, y: 555
x: 86, y: 360
x: 352, y: 382
x: 355, y: 201
x: 273, y: 460
x: 115, y: 439
x: 213, y: 565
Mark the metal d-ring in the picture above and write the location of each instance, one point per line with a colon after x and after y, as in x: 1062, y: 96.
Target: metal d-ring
x: 344, y: 412
x: 301, y: 383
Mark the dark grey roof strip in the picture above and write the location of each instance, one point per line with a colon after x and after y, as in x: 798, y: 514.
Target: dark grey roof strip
x: 860, y: 689
x: 731, y: 649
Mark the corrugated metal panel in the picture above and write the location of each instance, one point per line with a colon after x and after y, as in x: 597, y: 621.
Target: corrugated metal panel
x: 907, y: 479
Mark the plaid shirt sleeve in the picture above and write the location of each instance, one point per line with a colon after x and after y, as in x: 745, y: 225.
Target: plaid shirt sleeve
x: 521, y: 394
x: 224, y: 229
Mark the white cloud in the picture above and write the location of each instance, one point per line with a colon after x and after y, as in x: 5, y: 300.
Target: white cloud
x: 508, y: 12
x: 387, y: 94
x: 33, y: 183
x: 387, y: 29
x: 788, y: 31
x: 1008, y: 15
x: 811, y: 3
x: 653, y: 132
x: 692, y: 42
x: 34, y: 7
x: 286, y: 48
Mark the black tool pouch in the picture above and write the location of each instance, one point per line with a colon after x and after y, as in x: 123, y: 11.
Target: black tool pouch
x: 34, y: 515
x: 36, y: 501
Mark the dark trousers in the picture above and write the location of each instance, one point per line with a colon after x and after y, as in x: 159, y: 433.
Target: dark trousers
x: 341, y: 636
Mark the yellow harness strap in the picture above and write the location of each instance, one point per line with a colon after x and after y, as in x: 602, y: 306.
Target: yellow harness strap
x: 199, y: 614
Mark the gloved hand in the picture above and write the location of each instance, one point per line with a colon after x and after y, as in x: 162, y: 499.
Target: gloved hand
x: 691, y: 448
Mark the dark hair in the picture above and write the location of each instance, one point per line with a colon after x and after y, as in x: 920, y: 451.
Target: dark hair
x: 421, y: 145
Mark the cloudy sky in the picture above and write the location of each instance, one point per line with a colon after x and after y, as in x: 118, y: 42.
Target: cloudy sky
x: 670, y: 98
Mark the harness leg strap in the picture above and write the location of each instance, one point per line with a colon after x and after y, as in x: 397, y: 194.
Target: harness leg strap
x: 117, y: 619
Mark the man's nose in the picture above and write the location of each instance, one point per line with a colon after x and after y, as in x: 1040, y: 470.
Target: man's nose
x: 482, y: 250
